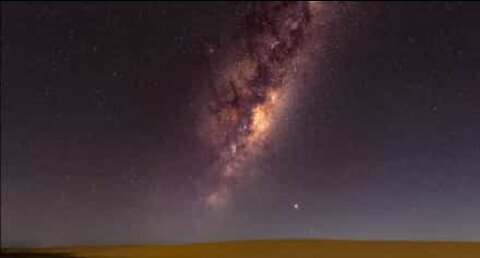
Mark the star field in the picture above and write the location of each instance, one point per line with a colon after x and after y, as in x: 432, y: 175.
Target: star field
x: 359, y: 123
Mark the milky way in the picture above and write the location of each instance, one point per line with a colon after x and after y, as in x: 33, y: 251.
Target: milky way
x: 253, y: 88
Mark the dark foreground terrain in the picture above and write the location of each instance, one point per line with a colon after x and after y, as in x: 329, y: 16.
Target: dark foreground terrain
x: 267, y: 248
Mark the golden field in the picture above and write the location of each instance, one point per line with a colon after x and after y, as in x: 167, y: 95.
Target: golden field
x: 278, y: 249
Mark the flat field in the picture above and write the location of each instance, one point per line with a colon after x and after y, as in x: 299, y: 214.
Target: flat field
x: 269, y: 249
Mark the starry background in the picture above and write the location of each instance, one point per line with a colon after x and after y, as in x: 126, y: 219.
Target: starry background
x: 99, y: 144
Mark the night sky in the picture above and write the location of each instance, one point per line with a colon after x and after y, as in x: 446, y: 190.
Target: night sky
x: 103, y: 107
